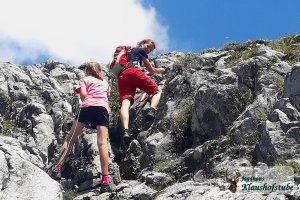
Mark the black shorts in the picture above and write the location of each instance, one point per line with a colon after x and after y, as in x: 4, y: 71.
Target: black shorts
x: 94, y: 115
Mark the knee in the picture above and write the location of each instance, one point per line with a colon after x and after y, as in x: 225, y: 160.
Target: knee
x: 125, y: 106
x: 68, y: 139
x: 102, y: 143
x: 157, y: 91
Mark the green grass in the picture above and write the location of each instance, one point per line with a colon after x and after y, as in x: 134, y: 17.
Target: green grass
x: 271, y: 62
x: 187, y: 61
x: 181, y: 119
x: 229, y: 137
x: 114, y: 99
x: 249, y: 158
x: 241, y: 55
x: 294, y: 165
x: 248, y: 97
x: 213, y: 145
x: 261, y: 117
x: 217, y: 72
x: 251, y: 140
x: 60, y: 80
x: 69, y: 195
x: 166, y: 166
x: 287, y: 45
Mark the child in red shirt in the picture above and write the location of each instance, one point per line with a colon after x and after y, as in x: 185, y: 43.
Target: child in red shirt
x: 133, y: 77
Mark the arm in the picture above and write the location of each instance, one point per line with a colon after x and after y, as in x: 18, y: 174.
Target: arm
x: 83, y: 93
x: 152, y: 70
x: 108, y: 91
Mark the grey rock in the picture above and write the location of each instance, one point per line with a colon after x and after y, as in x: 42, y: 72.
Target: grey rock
x: 134, y: 190
x: 21, y: 176
x: 156, y: 180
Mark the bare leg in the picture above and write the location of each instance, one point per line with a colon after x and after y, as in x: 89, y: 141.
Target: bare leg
x: 124, y: 113
x: 102, y: 137
x: 70, y: 140
x: 155, y: 99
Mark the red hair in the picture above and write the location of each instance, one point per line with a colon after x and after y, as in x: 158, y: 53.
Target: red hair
x: 140, y: 43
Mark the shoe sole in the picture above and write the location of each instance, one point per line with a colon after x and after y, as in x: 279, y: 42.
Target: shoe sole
x: 105, y: 190
x: 126, y: 140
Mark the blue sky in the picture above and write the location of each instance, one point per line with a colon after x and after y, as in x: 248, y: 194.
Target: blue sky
x: 194, y: 25
x: 79, y: 31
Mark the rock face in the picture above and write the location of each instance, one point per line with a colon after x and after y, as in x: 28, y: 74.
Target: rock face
x: 21, y: 173
x: 227, y: 108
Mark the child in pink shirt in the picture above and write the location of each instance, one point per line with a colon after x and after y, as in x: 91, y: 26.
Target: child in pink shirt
x: 97, y: 92
x: 94, y: 110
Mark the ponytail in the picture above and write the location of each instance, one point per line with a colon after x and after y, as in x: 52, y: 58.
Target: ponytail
x: 94, y: 69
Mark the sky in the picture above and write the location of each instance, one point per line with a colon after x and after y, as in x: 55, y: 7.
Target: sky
x: 77, y: 31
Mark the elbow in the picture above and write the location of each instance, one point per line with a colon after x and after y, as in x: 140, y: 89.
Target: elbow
x: 151, y: 71
x: 159, y: 90
x: 149, y: 68
x: 82, y: 97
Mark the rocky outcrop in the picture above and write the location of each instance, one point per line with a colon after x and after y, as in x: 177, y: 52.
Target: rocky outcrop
x: 228, y: 108
x: 21, y: 173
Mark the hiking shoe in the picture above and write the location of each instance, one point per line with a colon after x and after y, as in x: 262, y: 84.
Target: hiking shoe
x: 56, y: 173
x: 105, y: 188
x: 150, y: 114
x: 126, y: 136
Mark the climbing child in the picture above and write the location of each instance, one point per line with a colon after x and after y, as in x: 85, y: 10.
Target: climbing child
x: 133, y: 77
x: 94, y: 92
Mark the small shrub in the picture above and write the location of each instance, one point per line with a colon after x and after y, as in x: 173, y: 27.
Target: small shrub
x: 256, y: 137
x: 279, y: 85
x: 249, y: 158
x: 167, y: 166
x: 287, y: 45
x: 216, y: 144
x: 235, y: 46
x: 211, y: 149
x: 187, y: 61
x: 271, y: 62
x: 69, y: 195
x: 261, y: 117
x: 249, y: 140
x: 60, y: 80
x: 229, y: 137
x: 156, y: 194
x: 248, y: 97
x: 8, y: 128
x: 294, y: 165
x: 114, y: 99
x: 238, y: 56
x: 181, y: 119
x: 250, y: 53
x: 213, y: 145
x: 217, y: 72
x: 236, y: 151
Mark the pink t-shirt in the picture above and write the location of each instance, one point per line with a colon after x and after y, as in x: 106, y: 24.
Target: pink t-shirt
x: 97, y: 92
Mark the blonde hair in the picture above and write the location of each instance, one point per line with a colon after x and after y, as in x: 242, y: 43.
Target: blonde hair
x: 145, y: 41
x: 94, y: 69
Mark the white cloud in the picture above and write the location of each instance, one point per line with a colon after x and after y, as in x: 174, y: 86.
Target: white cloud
x: 75, y: 31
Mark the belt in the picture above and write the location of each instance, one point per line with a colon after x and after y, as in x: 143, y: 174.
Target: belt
x: 133, y: 64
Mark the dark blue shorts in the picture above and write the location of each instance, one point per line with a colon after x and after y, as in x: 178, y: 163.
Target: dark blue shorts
x: 94, y: 115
